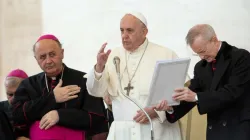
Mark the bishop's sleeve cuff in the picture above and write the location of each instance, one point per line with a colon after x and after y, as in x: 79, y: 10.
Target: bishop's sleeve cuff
x: 161, y: 116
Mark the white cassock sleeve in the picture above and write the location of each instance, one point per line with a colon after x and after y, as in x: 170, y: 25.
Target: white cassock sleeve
x: 97, y: 83
x: 161, y: 116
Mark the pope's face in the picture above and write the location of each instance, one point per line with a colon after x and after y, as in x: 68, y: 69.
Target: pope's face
x: 133, y: 32
x: 49, y: 56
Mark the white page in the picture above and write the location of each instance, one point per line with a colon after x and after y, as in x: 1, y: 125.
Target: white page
x: 168, y: 75
x: 124, y: 110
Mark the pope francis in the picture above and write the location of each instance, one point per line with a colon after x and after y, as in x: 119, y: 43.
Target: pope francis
x: 138, y: 57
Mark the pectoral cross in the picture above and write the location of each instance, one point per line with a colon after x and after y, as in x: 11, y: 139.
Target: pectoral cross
x: 128, y: 88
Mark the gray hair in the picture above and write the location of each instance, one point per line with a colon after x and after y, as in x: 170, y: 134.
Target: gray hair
x: 12, y: 81
x: 201, y: 30
x: 57, y: 41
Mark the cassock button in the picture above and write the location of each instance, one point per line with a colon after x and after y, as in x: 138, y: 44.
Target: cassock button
x: 210, y: 127
x: 224, y: 123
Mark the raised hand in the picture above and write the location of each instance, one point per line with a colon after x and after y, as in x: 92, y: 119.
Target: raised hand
x: 66, y: 93
x: 102, y: 58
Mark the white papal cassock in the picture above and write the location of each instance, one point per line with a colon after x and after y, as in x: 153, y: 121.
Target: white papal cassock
x: 107, y: 83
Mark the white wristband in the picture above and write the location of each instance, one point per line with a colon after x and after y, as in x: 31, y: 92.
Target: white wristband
x: 196, y: 98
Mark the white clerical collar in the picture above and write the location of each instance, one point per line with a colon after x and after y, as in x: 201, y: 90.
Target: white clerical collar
x: 53, y: 78
x: 141, y: 48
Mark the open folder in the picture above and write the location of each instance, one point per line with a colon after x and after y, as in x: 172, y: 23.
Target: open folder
x: 168, y: 75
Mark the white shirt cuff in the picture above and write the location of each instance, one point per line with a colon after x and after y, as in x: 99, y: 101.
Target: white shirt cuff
x: 98, y: 75
x: 170, y: 111
x: 196, y: 98
x: 161, y: 116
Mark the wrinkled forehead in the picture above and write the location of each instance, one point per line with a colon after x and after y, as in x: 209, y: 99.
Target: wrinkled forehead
x: 129, y: 21
x: 46, y: 45
x: 12, y: 81
x: 199, y: 43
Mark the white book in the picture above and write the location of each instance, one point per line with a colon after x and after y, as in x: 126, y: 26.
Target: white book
x: 168, y: 75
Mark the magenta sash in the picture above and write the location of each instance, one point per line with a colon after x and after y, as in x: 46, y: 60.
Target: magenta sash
x: 55, y: 133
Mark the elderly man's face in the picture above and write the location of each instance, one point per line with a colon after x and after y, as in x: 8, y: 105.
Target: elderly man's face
x: 205, y: 49
x: 49, y: 56
x: 133, y: 32
x: 11, y: 85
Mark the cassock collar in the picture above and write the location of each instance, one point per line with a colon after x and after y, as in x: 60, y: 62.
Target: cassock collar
x: 141, y: 48
x: 221, y: 48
